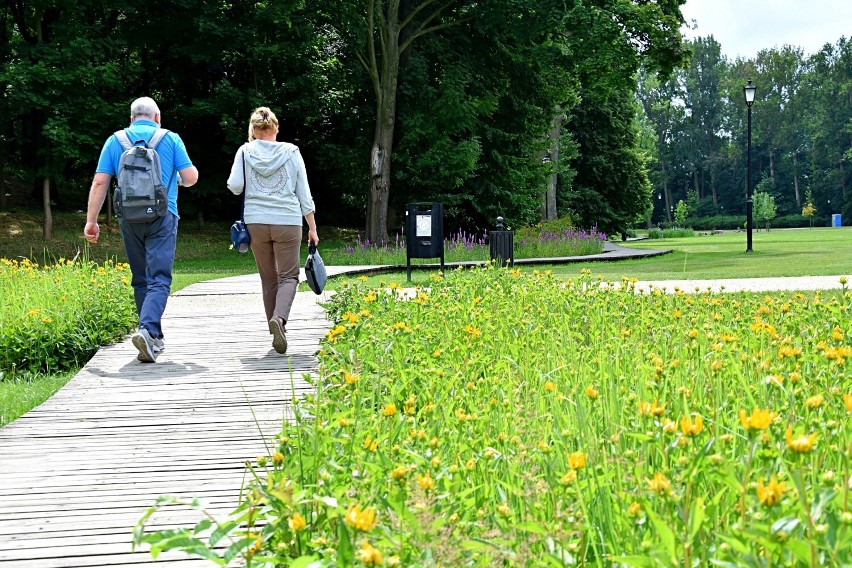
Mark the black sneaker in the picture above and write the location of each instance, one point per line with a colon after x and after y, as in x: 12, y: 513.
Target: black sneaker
x: 279, y: 340
x: 143, y: 341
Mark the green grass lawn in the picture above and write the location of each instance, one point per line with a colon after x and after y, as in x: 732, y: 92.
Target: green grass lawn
x: 781, y: 252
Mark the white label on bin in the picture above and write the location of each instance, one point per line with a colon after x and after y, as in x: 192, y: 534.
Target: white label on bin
x: 424, y: 226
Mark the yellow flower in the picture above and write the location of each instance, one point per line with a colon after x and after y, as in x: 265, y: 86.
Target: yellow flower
x: 504, y: 510
x: 351, y: 378
x: 389, y: 409
x: 550, y: 386
x: 691, y: 427
x: 277, y: 458
x: 297, y: 522
x: 577, y: 460
x: 370, y: 555
x: 837, y: 333
x: 473, y: 331
x: 771, y: 493
x: 847, y: 400
x: 569, y: 478
x: 426, y: 482
x: 635, y: 509
x: 651, y: 408
x: 370, y: 444
x: 258, y: 544
x: 802, y: 444
x: 363, y: 520
x: 592, y: 393
x: 758, y: 420
x: 399, y: 473
x: 659, y: 484
x: 814, y: 402
x: 669, y: 426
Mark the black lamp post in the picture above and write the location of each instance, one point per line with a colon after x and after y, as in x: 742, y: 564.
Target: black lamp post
x: 748, y: 91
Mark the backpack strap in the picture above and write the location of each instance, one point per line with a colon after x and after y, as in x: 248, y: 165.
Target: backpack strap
x: 123, y: 139
x: 159, y: 134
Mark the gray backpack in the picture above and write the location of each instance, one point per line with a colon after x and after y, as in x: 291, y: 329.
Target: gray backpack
x: 140, y: 196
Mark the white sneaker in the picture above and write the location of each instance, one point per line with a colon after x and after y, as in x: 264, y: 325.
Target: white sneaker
x: 143, y: 341
x: 159, y: 345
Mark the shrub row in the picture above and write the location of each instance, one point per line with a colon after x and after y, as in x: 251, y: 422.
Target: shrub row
x: 54, y: 317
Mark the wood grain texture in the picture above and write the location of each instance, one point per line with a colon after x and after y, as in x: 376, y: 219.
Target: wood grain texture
x: 78, y: 472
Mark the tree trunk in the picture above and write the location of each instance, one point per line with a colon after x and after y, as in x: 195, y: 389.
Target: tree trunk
x: 713, y: 189
x: 2, y: 174
x: 384, y: 85
x: 380, y: 168
x: 796, y: 179
x: 772, y: 166
x: 48, y: 216
x: 548, y: 203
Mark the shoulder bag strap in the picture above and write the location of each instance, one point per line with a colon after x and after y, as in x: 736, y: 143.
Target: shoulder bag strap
x: 243, y: 204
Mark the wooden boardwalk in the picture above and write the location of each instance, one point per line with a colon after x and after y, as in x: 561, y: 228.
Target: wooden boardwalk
x: 79, y: 471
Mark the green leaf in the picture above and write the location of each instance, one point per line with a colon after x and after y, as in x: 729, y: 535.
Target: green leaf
x: 222, y: 530
x: 638, y: 561
x: 667, y: 536
x: 696, y: 518
x: 305, y: 562
x: 531, y: 527
x: 345, y: 553
x: 800, y: 549
x: 202, y: 526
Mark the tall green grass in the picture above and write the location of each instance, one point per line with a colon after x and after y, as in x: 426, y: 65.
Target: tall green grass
x: 52, y: 320
x: 504, y: 418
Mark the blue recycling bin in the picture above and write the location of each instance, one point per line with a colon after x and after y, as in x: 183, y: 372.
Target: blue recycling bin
x: 835, y: 220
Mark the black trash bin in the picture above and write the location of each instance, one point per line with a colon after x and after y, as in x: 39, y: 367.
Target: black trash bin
x: 424, y: 232
x: 501, y: 244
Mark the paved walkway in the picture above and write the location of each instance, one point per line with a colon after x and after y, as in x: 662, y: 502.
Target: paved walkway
x: 79, y: 471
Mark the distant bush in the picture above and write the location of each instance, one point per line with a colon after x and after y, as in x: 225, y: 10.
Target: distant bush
x: 718, y: 222
x: 793, y: 221
x: 670, y: 233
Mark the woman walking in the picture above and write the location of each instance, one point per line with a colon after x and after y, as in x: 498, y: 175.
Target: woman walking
x: 277, y: 196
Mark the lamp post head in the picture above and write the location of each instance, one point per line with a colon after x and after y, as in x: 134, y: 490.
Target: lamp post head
x: 749, y: 91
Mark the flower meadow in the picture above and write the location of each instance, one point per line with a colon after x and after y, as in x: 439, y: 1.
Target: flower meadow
x: 54, y: 316
x: 508, y: 418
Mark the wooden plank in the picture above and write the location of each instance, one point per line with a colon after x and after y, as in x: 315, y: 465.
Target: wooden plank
x: 79, y: 471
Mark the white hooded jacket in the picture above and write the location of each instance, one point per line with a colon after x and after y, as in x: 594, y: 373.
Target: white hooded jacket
x: 276, y: 183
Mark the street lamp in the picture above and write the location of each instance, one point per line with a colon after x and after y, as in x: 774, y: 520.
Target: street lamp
x: 748, y: 91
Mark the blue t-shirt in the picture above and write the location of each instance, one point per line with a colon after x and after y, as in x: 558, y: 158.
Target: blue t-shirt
x: 171, y: 149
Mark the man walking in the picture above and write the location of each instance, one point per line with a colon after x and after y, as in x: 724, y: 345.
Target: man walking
x: 149, y: 244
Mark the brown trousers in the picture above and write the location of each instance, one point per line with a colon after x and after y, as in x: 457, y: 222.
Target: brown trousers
x: 276, y: 251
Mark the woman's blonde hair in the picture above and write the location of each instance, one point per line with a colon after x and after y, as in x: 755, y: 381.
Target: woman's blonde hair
x: 261, y: 119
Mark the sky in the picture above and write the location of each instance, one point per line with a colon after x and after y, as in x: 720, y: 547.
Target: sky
x: 744, y: 27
